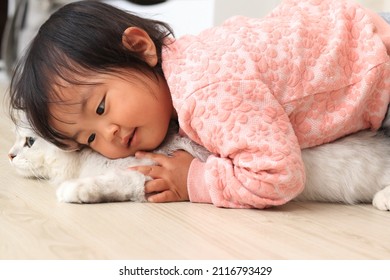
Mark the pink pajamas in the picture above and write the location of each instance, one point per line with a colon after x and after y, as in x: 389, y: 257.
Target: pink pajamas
x: 255, y: 92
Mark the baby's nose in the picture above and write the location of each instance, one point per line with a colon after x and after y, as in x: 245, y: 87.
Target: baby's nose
x: 111, y: 131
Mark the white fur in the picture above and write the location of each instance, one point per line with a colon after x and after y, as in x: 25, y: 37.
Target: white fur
x: 351, y: 170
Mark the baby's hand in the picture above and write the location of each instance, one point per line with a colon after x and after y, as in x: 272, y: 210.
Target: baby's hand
x: 169, y: 176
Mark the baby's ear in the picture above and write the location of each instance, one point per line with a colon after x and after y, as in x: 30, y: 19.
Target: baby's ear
x: 137, y: 40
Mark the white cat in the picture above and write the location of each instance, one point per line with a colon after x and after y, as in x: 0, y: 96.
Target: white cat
x: 86, y: 176
x: 351, y: 170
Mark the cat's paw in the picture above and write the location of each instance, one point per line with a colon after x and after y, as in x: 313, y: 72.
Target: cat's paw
x: 381, y: 199
x: 71, y: 191
x: 106, y: 188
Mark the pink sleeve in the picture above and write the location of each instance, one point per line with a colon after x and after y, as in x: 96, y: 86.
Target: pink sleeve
x: 256, y: 161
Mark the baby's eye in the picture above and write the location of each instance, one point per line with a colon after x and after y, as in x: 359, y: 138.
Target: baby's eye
x: 91, y: 138
x: 29, y: 141
x: 100, y: 108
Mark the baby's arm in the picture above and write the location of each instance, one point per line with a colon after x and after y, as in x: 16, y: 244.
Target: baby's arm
x: 256, y: 159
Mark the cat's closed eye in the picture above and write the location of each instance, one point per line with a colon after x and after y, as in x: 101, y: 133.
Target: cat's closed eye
x: 29, y: 141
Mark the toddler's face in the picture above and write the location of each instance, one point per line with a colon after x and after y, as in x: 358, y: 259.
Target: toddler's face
x: 115, y: 114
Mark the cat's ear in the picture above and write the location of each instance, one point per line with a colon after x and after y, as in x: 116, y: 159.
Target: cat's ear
x: 137, y: 40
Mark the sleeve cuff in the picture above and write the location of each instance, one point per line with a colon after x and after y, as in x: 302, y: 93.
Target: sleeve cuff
x: 196, y: 183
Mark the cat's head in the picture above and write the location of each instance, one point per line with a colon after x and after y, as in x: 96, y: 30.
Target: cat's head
x: 31, y: 155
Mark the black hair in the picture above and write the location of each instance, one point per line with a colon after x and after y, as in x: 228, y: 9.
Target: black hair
x: 80, y: 37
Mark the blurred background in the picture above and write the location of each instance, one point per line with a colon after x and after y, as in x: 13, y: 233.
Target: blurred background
x: 20, y: 19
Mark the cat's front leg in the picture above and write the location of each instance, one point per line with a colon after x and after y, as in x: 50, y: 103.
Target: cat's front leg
x: 382, y: 199
x: 120, y: 185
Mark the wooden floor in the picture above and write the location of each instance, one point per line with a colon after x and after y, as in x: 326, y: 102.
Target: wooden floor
x: 33, y: 225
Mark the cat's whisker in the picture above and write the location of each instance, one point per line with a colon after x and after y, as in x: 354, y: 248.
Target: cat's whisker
x: 36, y: 175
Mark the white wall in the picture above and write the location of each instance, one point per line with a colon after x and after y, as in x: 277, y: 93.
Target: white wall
x: 252, y: 8
x: 376, y: 5
x: 259, y: 8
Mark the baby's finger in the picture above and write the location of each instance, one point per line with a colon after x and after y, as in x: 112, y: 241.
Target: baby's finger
x: 154, y: 186
x: 166, y: 196
x: 153, y: 171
